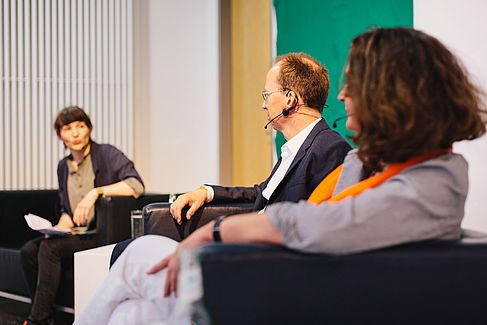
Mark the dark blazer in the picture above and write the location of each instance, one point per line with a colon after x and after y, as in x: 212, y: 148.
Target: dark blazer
x: 110, y: 166
x: 321, y: 152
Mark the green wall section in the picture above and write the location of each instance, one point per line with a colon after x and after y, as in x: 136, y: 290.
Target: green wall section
x: 324, y: 30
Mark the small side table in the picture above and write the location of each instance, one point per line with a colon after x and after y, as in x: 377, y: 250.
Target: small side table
x: 90, y: 268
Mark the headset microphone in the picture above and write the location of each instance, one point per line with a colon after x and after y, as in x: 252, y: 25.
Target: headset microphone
x: 285, y: 112
x: 334, y: 125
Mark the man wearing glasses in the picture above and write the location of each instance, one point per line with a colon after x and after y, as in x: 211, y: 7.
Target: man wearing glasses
x: 295, y: 94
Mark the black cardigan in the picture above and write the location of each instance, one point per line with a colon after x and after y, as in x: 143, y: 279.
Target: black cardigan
x: 110, y: 166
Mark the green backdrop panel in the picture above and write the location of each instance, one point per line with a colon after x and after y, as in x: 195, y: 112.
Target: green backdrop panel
x: 324, y: 30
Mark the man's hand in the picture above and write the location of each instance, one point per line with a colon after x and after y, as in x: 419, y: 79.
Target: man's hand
x: 80, y: 215
x: 194, y: 199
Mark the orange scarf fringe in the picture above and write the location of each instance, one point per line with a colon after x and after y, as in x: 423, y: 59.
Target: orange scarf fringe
x: 324, y: 191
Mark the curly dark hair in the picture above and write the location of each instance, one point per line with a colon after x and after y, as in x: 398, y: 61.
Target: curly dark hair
x: 411, y: 95
x: 71, y: 114
x: 306, y: 76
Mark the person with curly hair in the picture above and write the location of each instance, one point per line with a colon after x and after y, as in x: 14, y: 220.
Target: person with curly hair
x: 409, y: 99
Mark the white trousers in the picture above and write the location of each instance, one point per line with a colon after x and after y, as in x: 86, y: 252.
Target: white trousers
x: 128, y: 295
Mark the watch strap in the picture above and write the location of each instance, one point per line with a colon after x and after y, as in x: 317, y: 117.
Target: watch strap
x: 216, y: 229
x: 99, y: 190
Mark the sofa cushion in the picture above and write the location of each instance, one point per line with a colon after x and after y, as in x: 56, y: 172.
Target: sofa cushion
x: 11, y: 269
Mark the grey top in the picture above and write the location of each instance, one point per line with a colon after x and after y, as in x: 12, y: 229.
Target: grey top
x: 81, y: 180
x: 425, y: 201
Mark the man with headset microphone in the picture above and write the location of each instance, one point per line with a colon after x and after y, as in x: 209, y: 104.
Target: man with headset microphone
x: 295, y: 94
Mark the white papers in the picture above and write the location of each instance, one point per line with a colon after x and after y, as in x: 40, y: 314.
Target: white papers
x: 44, y: 226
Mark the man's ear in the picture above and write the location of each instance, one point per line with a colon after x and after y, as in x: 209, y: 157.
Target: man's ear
x: 292, y: 98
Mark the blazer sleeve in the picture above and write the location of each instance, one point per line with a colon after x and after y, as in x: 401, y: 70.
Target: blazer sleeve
x: 241, y: 194
x: 423, y: 202
x: 119, y: 165
x: 62, y: 191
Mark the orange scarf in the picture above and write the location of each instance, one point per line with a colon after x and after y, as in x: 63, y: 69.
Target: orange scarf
x: 323, y: 192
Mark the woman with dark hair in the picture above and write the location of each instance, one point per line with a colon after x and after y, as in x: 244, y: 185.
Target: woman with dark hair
x: 90, y: 171
x: 408, y: 99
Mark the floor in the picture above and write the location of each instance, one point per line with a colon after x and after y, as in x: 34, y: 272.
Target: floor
x: 15, y: 312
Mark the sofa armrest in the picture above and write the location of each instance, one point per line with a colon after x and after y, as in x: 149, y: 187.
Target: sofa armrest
x: 158, y: 220
x: 423, y: 283
x: 14, y: 231
x: 113, y: 215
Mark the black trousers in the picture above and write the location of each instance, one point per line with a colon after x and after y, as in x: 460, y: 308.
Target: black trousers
x: 41, y: 262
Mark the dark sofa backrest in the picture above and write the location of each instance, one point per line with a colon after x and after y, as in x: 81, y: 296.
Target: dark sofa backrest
x: 419, y: 283
x: 15, y: 204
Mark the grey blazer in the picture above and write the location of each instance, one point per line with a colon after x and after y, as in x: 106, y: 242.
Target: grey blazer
x: 425, y: 201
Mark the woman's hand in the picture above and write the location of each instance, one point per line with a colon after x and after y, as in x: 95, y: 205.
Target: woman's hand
x: 65, y: 222
x: 80, y: 215
x: 201, y: 236
x: 246, y: 228
x: 172, y: 264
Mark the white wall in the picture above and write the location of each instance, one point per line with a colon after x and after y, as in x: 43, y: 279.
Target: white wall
x: 55, y: 54
x: 461, y: 25
x: 176, y: 108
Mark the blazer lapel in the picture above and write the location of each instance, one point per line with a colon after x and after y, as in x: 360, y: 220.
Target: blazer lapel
x: 320, y: 126
x: 272, y: 173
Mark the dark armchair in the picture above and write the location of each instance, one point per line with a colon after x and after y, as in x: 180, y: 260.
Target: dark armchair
x: 113, y: 225
x: 420, y: 283
x: 158, y: 220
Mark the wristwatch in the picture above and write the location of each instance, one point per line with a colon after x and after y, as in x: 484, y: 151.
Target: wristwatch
x: 216, y: 229
x: 99, y: 190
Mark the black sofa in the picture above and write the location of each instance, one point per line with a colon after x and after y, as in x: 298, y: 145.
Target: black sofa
x: 420, y: 283
x: 112, y: 222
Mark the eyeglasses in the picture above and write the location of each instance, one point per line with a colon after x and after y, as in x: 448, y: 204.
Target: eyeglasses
x: 265, y: 94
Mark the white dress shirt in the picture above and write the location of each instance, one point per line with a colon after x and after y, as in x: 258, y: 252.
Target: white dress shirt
x: 288, y: 153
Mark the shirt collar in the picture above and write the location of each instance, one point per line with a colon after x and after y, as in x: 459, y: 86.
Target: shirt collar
x: 292, y: 146
x: 70, y: 162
